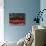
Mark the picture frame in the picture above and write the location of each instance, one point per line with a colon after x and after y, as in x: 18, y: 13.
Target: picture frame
x: 17, y: 18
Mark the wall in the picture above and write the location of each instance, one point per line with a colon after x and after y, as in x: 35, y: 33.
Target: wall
x: 29, y: 7
x: 1, y: 21
x: 43, y: 6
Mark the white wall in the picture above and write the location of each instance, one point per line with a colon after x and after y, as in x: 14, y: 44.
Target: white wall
x: 43, y: 6
x: 1, y: 21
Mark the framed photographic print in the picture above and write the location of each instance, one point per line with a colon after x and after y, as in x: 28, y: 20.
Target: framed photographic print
x: 17, y: 18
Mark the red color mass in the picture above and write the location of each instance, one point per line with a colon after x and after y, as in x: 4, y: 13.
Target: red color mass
x: 17, y: 21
